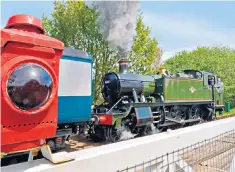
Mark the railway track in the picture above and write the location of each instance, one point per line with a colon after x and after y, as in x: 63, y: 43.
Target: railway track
x: 77, y: 143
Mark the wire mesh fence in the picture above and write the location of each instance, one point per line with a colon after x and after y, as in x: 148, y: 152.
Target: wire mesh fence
x: 212, y: 155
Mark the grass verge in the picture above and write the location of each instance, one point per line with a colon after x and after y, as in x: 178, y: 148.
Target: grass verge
x: 232, y: 112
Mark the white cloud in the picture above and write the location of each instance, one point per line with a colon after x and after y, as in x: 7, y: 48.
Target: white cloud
x: 176, y: 32
x: 232, y: 46
x: 168, y: 54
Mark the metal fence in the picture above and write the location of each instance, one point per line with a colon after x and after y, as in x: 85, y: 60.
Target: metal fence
x: 212, y: 155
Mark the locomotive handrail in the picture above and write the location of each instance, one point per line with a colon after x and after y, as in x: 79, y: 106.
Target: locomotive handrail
x: 115, y: 104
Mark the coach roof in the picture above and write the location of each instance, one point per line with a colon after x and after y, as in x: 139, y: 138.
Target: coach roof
x: 68, y: 51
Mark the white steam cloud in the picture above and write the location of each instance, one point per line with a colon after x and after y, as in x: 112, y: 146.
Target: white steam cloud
x: 126, y: 135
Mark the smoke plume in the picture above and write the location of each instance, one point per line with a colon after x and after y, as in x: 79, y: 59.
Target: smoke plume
x: 117, y: 22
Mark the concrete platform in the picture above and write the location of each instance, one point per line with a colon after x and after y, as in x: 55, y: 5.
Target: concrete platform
x: 113, y: 157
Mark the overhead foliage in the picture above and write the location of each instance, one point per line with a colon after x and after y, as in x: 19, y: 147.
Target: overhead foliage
x: 219, y: 60
x: 76, y: 25
x: 145, y: 55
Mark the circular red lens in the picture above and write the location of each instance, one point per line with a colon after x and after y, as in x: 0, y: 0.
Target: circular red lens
x: 29, y: 86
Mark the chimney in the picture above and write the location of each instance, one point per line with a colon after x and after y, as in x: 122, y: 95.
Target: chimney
x: 123, y: 65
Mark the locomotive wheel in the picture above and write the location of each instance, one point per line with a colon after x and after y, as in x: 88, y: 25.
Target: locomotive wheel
x: 211, y: 115
x: 181, y: 112
x: 162, y: 120
x: 97, y: 133
x: 163, y: 116
x: 146, y: 130
x: 112, y: 134
x: 195, y: 112
x: 200, y: 112
x: 205, y: 115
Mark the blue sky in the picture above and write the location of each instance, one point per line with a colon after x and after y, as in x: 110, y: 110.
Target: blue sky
x: 176, y: 25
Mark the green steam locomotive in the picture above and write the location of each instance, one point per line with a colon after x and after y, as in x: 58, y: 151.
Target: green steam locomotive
x: 135, y: 103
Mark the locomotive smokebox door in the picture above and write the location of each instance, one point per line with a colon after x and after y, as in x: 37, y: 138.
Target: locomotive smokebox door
x: 29, y: 87
x: 144, y: 116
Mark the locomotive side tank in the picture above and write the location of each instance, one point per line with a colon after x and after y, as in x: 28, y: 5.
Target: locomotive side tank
x: 188, y: 88
x: 191, y: 86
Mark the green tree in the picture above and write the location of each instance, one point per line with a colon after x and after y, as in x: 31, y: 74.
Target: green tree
x: 219, y: 60
x: 76, y: 25
x: 145, y: 55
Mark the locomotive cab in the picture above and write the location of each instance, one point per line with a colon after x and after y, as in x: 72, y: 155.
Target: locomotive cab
x: 212, y: 81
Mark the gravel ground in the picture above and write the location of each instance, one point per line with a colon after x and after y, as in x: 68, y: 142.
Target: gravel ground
x: 76, y: 143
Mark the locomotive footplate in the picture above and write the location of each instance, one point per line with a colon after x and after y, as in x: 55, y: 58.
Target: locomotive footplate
x: 161, y: 104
